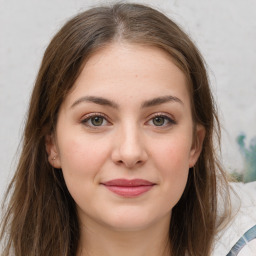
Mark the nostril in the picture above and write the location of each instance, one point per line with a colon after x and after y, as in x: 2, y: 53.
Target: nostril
x: 119, y: 162
x: 129, y: 154
x: 129, y: 164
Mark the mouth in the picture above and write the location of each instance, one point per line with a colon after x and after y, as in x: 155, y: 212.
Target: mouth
x: 129, y: 188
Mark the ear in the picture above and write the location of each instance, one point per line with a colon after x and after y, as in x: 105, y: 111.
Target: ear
x: 52, y: 151
x: 197, y: 145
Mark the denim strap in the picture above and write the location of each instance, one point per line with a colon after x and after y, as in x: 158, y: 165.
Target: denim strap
x: 246, y: 238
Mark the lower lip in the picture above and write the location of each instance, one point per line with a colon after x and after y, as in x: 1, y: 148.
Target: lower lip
x: 129, y: 191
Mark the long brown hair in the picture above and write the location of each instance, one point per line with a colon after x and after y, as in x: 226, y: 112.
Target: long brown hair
x: 41, y: 216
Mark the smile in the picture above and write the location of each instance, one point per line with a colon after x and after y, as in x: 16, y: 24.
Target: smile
x: 128, y: 188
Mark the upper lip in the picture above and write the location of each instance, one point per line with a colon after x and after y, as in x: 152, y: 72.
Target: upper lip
x: 128, y: 183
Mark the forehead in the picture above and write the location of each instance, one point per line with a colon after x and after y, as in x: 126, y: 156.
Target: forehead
x: 131, y: 69
x: 131, y: 55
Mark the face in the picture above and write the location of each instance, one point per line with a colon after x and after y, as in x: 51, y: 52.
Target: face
x: 125, y: 138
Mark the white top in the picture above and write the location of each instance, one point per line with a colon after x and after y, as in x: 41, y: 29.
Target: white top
x: 239, y: 236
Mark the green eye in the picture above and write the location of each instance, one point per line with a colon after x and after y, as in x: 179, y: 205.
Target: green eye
x: 97, y: 120
x: 159, y: 121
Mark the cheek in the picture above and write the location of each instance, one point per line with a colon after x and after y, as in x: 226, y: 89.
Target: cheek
x: 172, y: 161
x: 173, y: 154
x: 81, y: 160
x: 81, y: 163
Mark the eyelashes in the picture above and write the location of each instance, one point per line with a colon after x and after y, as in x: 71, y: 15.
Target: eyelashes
x: 161, y: 120
x: 97, y: 120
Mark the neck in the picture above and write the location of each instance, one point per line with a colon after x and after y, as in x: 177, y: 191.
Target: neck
x: 97, y: 240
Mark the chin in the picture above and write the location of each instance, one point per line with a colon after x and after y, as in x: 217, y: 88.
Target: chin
x: 133, y: 221
x: 129, y: 226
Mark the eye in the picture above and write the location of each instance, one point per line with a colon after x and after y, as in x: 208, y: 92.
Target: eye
x: 161, y: 120
x: 95, y: 120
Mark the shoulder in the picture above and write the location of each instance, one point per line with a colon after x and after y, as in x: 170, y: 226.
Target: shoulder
x: 239, y: 235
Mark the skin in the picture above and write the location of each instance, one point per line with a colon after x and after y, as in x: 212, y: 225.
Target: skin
x: 130, y: 143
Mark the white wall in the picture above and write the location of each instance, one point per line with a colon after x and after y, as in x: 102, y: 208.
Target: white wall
x: 225, y: 32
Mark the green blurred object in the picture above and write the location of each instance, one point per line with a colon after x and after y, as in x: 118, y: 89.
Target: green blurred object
x: 249, y: 156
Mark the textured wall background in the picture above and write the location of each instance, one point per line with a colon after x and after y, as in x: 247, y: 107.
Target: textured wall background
x: 225, y: 32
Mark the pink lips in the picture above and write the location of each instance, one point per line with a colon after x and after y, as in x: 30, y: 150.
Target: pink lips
x: 128, y: 188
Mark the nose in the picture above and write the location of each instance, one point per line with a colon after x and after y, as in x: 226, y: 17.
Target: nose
x: 129, y: 149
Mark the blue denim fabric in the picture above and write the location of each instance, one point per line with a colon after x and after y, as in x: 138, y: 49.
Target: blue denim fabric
x: 247, y: 237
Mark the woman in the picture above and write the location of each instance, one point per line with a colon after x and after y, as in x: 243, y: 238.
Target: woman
x: 118, y: 155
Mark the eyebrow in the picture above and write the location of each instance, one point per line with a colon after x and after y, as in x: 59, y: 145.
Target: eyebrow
x: 160, y: 100
x: 96, y: 100
x: 105, y: 102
